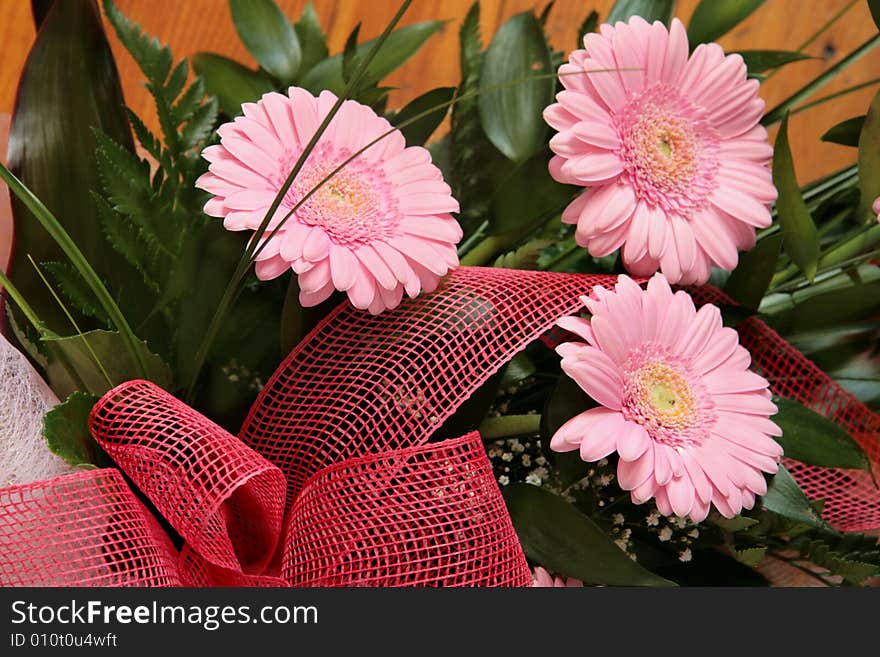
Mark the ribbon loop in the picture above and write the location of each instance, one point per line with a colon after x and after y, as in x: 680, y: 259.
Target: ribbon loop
x: 223, y: 498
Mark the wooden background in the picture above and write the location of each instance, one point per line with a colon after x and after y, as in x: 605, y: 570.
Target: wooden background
x: 190, y: 26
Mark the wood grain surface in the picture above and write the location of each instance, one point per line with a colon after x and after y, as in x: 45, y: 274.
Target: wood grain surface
x: 190, y: 26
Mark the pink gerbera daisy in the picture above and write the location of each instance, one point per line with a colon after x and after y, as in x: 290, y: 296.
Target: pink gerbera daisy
x: 543, y: 579
x: 380, y: 227
x: 679, y: 405
x: 670, y: 146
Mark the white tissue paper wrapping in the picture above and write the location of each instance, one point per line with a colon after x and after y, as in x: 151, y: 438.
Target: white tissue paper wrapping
x: 24, y: 399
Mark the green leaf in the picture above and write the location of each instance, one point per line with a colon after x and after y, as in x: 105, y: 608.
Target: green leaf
x: 232, y: 83
x: 518, y: 369
x: 153, y: 58
x: 749, y: 281
x: 66, y: 430
x: 874, y: 6
x: 590, y: 24
x: 312, y: 41
x: 869, y: 159
x: 397, y: 49
x: 525, y: 257
x: 348, y: 52
x: 751, y: 556
x: 760, y: 61
x: 269, y: 37
x: 109, y: 348
x: 799, y: 234
x: 418, y: 132
x: 845, y: 133
x: 565, y: 401
x: 68, y: 84
x: 650, y: 10
x: 75, y: 289
x: 735, y: 524
x: 526, y: 195
x: 512, y: 101
x: 556, y: 535
x: 786, y: 498
x: 830, y: 308
x: 815, y: 440
x: 714, y: 18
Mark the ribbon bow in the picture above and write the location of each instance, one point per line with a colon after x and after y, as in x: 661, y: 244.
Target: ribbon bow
x: 332, y: 480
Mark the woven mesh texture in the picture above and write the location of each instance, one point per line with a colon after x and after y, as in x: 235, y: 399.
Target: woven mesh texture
x: 365, y: 385
x: 24, y: 455
x: 421, y: 516
x: 83, y: 529
x: 343, y: 426
x: 852, y: 500
x: 224, y: 499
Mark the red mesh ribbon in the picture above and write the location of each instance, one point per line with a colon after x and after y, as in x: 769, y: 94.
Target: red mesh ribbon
x: 339, y: 438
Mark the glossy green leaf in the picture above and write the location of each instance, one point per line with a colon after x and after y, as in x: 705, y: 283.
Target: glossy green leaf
x: 650, y: 10
x: 68, y: 84
x: 874, y: 6
x: 760, y: 61
x: 565, y: 401
x: 399, y: 47
x: 39, y: 10
x: 526, y: 195
x: 813, y: 439
x: 312, y: 40
x: 831, y: 308
x: 749, y: 281
x: 419, y: 131
x: 269, y: 37
x: 232, y: 83
x: 559, y: 537
x: 869, y: 160
x: 66, y: 430
x: 108, y: 346
x: 512, y: 100
x: 845, y: 133
x: 799, y: 234
x: 715, y: 18
x: 525, y: 257
x: 590, y: 24
x: 786, y: 498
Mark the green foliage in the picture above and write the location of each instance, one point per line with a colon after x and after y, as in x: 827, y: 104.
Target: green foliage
x: 761, y: 61
x: 525, y: 257
x: 845, y: 133
x: 650, y: 10
x: 69, y: 83
x: 566, y: 400
x: 66, y: 430
x: 854, y: 558
x: 799, y: 234
x: 420, y: 130
x: 869, y: 160
x: 785, y: 498
x: 229, y: 82
x: 269, y: 37
x: 715, y: 18
x: 749, y: 281
x: 312, y: 40
x: 513, y: 92
x: 810, y: 438
x: 556, y: 535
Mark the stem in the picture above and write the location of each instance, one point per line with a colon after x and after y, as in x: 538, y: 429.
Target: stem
x: 40, y: 327
x: 835, y: 256
x: 775, y: 115
x: 507, y: 426
x: 468, y: 244
x: 837, y: 94
x: 79, y: 261
x: 482, y: 252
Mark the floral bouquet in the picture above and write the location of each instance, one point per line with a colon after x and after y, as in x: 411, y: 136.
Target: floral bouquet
x: 572, y: 322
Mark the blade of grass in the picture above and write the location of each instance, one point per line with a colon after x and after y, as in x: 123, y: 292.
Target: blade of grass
x: 40, y: 327
x: 775, y: 115
x: 62, y: 238
x: 70, y: 318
